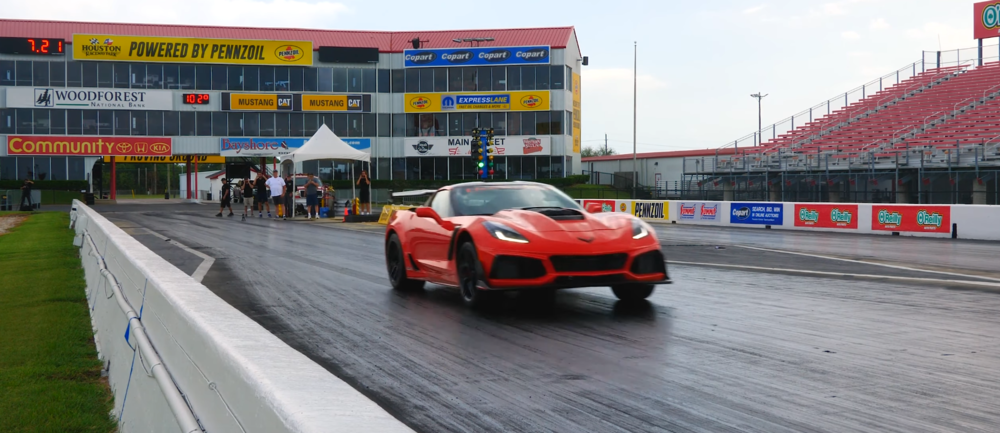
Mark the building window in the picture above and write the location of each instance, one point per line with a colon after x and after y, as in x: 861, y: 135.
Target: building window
x: 172, y: 123
x: 499, y: 123
x: 569, y: 124
x: 500, y: 167
x: 40, y: 73
x: 398, y: 125
x: 57, y: 122
x: 455, y: 124
x: 384, y: 125
x: 281, y: 125
x: 383, y: 81
x: 281, y: 83
x: 513, y: 123
x: 295, y: 79
x: 187, y: 74
x: 484, y: 78
x: 441, y: 168
x: 40, y: 121
x: 469, y: 80
x: 122, y: 76
x: 528, y: 167
x: 251, y: 124
x: 542, y: 123
x: 556, y: 168
x: 311, y: 124
x: 514, y: 78
x: 398, y: 81
x: 325, y: 79
x: 154, y: 76
x: 369, y: 125
x: 74, y: 74
x: 528, y: 124
x: 7, y: 73
x: 354, y: 80
x: 454, y: 79
x: 569, y: 78
x: 340, y: 124
x: 57, y: 74
x: 383, y: 168
x: 499, y: 81
x: 89, y: 122
x: 138, y: 78
x: 267, y: 124
x: 251, y: 78
x: 266, y: 79
x: 528, y: 78
x: 235, y: 81
x: 556, y: 123
x: 105, y: 75
x: 339, y: 83
x: 121, y: 122
x: 296, y: 124
x: 543, y: 167
x: 557, y: 77
x: 542, y: 77
x: 440, y: 80
x: 399, y: 168
x: 23, y: 74
x: 309, y: 79
x: 426, y: 80
x: 514, y: 167
x: 204, y: 124
x: 412, y: 80
x: 154, y: 123
x: 74, y: 122
x: 235, y: 122
x: 138, y: 122
x: 24, y: 121
x: 354, y: 127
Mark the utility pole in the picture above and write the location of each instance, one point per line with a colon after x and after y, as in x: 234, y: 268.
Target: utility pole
x: 635, y: 105
x: 760, y: 130
x: 605, y: 144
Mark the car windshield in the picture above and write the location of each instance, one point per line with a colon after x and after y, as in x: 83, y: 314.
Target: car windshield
x: 490, y: 199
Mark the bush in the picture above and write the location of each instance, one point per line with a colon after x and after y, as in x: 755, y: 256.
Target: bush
x: 47, y: 185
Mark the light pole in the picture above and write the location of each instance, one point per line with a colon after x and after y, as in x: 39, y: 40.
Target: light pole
x: 760, y: 130
x: 635, y: 87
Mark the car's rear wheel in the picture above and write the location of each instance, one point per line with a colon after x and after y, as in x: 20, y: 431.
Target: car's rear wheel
x: 633, y: 292
x: 395, y: 263
x: 470, y: 271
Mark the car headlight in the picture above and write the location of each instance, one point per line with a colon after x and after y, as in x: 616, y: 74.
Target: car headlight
x: 504, y: 233
x: 639, y: 229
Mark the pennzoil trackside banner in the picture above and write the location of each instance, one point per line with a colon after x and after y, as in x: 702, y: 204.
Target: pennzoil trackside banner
x: 478, y: 56
x: 118, y: 48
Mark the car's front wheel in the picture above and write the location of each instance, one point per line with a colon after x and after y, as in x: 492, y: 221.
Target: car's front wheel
x: 470, y: 271
x: 395, y: 264
x: 633, y: 292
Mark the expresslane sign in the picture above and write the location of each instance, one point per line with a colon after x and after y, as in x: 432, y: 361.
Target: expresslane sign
x: 117, y: 48
x: 479, y: 56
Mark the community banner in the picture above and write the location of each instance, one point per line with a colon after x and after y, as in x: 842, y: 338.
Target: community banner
x: 25, y: 145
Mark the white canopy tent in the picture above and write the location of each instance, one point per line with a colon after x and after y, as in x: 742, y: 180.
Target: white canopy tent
x: 324, y: 144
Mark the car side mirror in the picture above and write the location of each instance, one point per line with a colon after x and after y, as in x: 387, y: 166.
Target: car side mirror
x: 426, y: 212
x: 593, y: 207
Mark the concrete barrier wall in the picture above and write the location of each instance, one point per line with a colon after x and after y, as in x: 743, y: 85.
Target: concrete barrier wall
x: 234, y: 375
x: 967, y: 221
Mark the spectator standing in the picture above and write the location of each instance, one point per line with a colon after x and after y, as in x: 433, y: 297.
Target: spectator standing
x: 289, y: 194
x: 247, y: 186
x: 365, y: 193
x: 261, y: 198
x: 26, y: 191
x: 312, y: 199
x: 277, y: 187
x: 226, y: 198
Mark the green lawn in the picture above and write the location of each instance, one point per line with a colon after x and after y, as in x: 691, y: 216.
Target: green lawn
x: 50, y: 377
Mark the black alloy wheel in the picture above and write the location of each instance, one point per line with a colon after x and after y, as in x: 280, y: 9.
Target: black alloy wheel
x: 470, y: 271
x: 633, y: 292
x: 395, y: 264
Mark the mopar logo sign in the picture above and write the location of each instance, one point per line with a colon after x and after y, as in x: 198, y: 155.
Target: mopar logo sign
x: 477, y: 56
x: 757, y: 213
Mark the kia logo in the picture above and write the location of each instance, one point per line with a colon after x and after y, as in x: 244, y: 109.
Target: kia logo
x: 741, y: 213
x: 159, y: 148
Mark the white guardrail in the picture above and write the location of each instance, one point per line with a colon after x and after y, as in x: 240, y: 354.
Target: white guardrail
x: 943, y: 221
x: 180, y: 359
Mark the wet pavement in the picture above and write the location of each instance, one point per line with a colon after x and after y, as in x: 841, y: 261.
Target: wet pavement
x: 719, y: 350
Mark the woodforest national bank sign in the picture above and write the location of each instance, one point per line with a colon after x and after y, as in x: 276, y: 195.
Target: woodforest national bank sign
x: 89, y: 99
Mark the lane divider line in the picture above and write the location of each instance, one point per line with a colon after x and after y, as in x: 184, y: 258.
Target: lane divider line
x: 206, y: 260
x: 905, y: 268
x: 839, y: 274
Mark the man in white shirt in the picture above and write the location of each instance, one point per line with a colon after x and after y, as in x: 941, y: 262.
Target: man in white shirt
x: 277, y: 186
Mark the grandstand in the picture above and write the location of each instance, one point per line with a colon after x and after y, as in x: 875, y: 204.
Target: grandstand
x: 933, y: 137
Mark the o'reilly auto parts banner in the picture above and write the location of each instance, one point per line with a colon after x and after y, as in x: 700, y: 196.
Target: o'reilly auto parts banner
x: 919, y: 219
x: 832, y: 216
x: 89, y: 99
x: 479, y: 56
x: 513, y: 145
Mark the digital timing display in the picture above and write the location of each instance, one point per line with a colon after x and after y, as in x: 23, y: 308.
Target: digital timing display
x: 31, y: 46
x: 195, y: 98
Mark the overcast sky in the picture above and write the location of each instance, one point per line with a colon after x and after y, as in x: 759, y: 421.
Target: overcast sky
x: 698, y: 60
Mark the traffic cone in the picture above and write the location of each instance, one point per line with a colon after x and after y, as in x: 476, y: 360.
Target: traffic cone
x: 345, y: 214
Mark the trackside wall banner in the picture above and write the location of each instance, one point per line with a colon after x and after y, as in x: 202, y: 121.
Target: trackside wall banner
x: 606, y: 205
x: 699, y: 211
x: 89, y: 99
x: 653, y: 210
x: 986, y: 19
x: 487, y: 56
x: 920, y: 219
x: 87, y: 146
x: 756, y: 213
x: 833, y: 216
x: 116, y: 48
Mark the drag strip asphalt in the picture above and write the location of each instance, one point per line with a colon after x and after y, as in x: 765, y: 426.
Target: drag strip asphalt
x: 720, y: 350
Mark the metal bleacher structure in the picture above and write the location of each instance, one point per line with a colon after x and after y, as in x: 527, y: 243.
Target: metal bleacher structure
x: 931, y: 137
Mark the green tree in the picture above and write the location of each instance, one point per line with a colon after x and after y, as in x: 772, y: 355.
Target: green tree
x: 597, y: 151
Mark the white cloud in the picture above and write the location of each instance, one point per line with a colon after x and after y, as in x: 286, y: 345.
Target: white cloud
x: 850, y: 35
x: 271, y: 13
x: 754, y: 9
x: 950, y: 37
x: 878, y: 24
x: 834, y: 9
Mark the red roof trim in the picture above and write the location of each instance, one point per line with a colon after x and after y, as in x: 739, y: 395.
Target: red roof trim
x: 385, y: 41
x: 671, y: 154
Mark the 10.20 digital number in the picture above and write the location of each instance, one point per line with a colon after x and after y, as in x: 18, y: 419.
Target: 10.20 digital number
x: 195, y: 98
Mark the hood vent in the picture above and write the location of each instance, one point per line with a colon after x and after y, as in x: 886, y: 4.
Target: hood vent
x: 561, y: 214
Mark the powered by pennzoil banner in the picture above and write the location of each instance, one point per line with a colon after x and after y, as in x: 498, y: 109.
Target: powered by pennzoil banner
x: 116, y: 48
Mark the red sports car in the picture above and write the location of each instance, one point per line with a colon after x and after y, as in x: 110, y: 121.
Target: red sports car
x: 489, y: 237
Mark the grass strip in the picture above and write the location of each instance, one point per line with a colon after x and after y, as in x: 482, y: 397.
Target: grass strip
x: 50, y: 377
